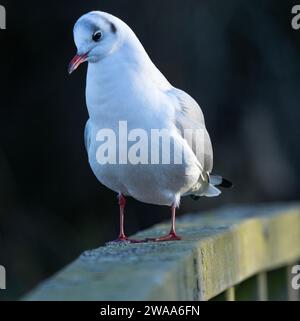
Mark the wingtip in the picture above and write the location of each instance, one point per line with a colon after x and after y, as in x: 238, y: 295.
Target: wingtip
x: 195, y: 197
x: 226, y: 183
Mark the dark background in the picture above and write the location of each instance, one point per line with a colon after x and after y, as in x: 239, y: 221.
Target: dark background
x: 238, y: 59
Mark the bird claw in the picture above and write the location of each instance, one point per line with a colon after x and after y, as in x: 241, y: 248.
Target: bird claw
x: 125, y: 239
x: 169, y: 237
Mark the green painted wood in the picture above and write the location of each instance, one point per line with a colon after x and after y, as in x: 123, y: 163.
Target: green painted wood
x: 219, y: 250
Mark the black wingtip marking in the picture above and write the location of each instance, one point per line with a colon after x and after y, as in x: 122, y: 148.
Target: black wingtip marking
x: 195, y: 197
x: 226, y: 183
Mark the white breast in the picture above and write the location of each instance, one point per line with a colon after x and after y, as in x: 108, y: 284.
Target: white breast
x: 120, y: 89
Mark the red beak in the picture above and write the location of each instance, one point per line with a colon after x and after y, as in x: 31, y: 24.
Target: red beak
x: 76, y: 62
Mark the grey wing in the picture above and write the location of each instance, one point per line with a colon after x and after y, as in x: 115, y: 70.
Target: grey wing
x: 189, y: 116
x: 87, y: 135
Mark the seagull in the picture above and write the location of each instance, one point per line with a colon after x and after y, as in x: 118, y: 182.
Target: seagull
x: 123, y: 84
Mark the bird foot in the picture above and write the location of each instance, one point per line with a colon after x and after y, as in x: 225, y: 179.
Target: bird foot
x: 170, y: 237
x: 125, y: 239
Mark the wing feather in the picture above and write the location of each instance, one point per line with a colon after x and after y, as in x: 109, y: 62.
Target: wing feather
x: 189, y: 116
x: 87, y: 135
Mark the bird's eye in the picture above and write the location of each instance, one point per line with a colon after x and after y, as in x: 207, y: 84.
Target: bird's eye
x: 97, y: 36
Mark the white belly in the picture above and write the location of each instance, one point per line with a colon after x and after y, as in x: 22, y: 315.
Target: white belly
x: 142, y: 104
x: 160, y: 184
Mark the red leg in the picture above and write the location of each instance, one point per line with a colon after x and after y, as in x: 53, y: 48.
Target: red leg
x: 122, y: 237
x: 122, y: 203
x: 172, y: 236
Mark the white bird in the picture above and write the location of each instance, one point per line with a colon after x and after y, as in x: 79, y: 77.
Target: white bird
x: 123, y: 84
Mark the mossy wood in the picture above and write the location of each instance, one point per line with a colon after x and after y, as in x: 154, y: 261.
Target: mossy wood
x: 219, y: 250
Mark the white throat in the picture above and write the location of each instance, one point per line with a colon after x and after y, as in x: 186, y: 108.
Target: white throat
x: 127, y: 72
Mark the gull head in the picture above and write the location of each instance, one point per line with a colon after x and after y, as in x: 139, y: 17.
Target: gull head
x: 96, y: 35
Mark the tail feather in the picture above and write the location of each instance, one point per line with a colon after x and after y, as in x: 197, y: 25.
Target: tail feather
x: 217, y: 180
x: 212, y: 190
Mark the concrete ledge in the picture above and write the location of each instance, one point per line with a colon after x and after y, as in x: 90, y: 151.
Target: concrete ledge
x: 220, y: 249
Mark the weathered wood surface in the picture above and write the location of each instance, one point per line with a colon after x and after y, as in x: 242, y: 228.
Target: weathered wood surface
x: 219, y: 250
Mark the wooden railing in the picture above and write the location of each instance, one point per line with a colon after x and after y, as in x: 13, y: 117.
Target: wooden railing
x: 235, y: 253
